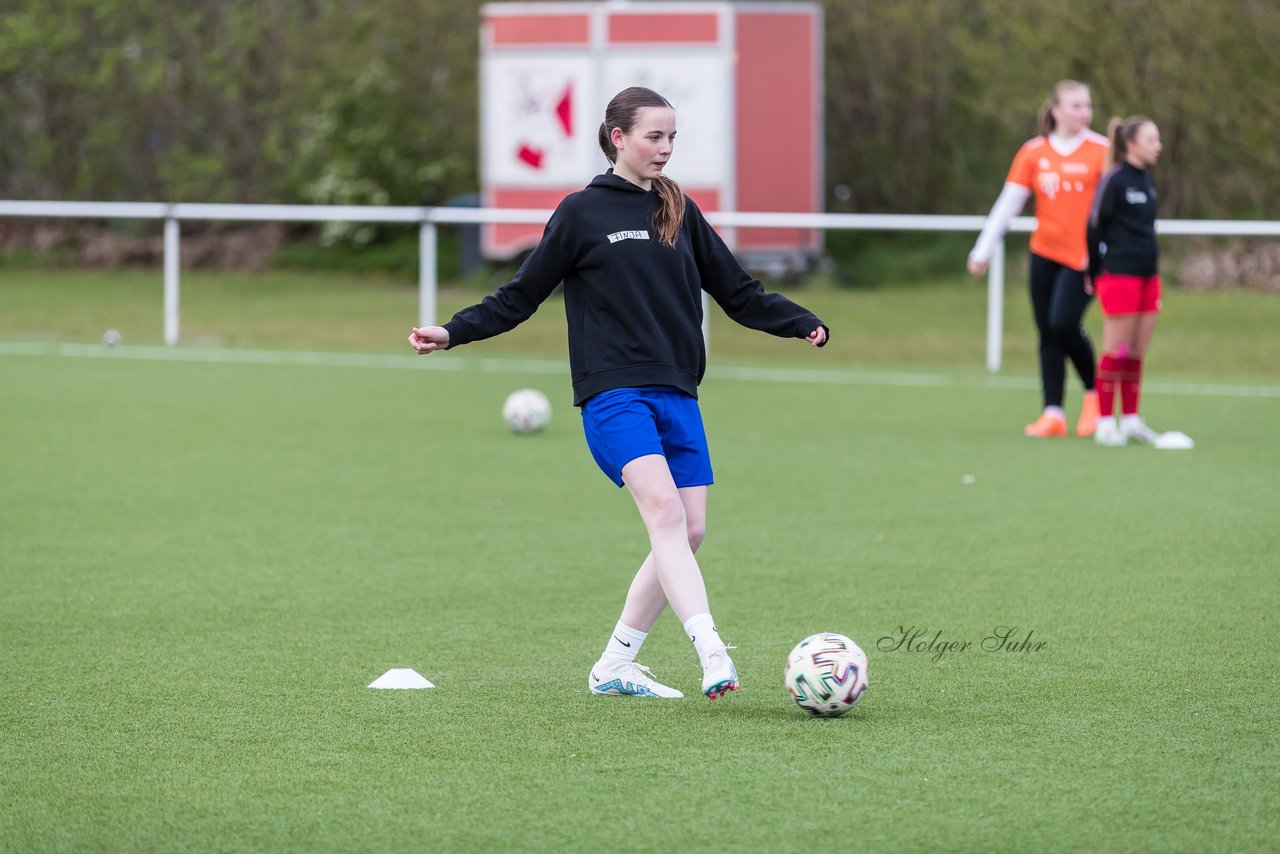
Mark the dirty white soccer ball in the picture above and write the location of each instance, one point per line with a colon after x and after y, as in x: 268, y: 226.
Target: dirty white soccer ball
x: 527, y: 410
x: 111, y: 338
x: 826, y: 674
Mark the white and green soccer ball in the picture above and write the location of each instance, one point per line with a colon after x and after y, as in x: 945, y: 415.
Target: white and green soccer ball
x: 527, y: 410
x: 826, y: 674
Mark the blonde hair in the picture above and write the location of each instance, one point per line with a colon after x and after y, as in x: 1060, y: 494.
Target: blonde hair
x: 622, y: 113
x: 1121, y: 132
x: 1045, y: 122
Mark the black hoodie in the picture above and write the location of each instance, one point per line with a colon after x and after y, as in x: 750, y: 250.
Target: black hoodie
x: 1122, y: 224
x: 634, y: 306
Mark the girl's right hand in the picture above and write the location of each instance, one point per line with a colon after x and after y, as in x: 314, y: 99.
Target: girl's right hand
x: 977, y: 268
x: 428, y: 339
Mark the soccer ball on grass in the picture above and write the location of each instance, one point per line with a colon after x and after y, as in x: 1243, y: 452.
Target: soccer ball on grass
x: 527, y: 410
x: 826, y: 674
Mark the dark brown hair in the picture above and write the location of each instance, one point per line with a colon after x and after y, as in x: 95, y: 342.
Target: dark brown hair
x: 622, y: 113
x: 1045, y: 122
x: 1121, y: 132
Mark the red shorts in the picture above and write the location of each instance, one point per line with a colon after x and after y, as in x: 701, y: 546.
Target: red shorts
x: 1121, y: 294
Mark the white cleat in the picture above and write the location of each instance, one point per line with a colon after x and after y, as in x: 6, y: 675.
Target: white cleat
x: 628, y: 680
x: 719, y: 676
x: 1107, y: 434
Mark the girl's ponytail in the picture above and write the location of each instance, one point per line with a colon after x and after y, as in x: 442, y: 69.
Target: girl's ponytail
x: 670, y: 213
x: 1116, y: 151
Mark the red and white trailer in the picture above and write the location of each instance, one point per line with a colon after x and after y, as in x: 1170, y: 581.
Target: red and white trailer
x: 745, y: 79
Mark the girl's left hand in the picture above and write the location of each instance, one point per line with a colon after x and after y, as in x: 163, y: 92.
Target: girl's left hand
x: 818, y: 337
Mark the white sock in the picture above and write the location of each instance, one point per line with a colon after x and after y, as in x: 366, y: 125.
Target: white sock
x: 1056, y: 412
x: 623, y: 644
x: 1128, y: 422
x: 701, y: 629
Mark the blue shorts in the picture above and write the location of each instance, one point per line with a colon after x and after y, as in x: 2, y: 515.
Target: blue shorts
x: 623, y: 424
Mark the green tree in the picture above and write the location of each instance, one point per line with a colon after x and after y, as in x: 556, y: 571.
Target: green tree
x: 352, y: 101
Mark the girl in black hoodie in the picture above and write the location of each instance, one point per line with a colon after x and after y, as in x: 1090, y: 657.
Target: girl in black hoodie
x: 634, y: 254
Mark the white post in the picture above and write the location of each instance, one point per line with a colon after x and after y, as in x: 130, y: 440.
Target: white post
x: 995, y: 306
x: 706, y: 322
x: 427, y: 274
x: 170, y: 281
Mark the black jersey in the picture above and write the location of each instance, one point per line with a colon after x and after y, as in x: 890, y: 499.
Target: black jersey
x: 1122, y: 224
x: 634, y: 306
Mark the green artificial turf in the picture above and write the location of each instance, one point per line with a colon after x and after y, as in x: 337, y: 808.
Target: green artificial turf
x: 204, y: 565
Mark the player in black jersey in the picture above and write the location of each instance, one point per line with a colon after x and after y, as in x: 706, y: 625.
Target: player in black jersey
x: 1124, y: 265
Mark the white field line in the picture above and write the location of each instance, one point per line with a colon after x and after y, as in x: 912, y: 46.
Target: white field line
x: 444, y: 362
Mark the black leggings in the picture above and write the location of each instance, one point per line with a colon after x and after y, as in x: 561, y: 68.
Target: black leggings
x: 1058, y: 301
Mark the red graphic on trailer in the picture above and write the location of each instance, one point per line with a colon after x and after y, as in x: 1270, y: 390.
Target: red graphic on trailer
x: 532, y: 155
x: 564, y: 110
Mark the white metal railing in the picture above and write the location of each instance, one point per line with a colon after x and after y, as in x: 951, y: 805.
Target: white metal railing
x: 429, y: 219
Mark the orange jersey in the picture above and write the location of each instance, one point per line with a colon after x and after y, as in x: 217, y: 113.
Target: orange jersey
x: 1063, y: 185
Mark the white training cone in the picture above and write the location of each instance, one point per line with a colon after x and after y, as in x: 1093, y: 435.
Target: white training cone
x: 1174, y: 441
x: 401, y: 677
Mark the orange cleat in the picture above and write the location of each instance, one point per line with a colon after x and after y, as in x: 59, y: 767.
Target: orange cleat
x: 1047, y: 427
x: 1088, y: 415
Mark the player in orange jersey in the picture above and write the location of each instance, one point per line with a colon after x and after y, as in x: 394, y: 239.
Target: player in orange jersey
x: 1061, y: 167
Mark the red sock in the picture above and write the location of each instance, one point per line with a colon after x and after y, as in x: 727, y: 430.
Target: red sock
x: 1130, y: 385
x: 1108, y: 373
